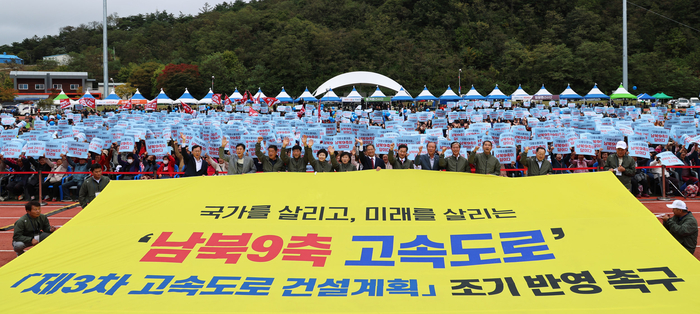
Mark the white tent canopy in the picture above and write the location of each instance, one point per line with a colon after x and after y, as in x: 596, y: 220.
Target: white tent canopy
x: 378, y: 93
x: 355, y: 78
x: 353, y: 94
x: 519, y: 94
x: 259, y: 93
x: 543, y: 92
x: 236, y: 95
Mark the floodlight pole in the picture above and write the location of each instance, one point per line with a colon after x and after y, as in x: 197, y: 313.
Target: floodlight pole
x: 624, y: 44
x: 459, y: 77
x: 105, y: 71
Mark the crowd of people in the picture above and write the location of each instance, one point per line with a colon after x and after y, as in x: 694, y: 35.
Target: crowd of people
x: 282, y: 150
x: 438, y: 148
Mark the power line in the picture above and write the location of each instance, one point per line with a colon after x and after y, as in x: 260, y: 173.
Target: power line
x: 666, y: 17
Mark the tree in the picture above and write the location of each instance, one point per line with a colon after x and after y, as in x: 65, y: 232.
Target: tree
x: 141, y: 76
x: 8, y: 94
x: 175, y: 78
x: 227, y: 70
x: 125, y: 90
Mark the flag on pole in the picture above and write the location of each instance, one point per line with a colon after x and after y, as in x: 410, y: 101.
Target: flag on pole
x: 301, y: 112
x: 252, y: 112
x: 152, y: 105
x: 126, y: 106
x: 216, y: 98
x: 186, y: 107
x: 87, y: 102
x: 65, y: 103
x: 257, y: 100
x: 227, y: 101
x: 271, y: 101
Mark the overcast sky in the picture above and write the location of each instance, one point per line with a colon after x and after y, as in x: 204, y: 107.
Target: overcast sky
x: 26, y: 18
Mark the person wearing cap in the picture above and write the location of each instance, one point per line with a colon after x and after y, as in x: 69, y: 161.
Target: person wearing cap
x: 621, y: 164
x: 682, y: 225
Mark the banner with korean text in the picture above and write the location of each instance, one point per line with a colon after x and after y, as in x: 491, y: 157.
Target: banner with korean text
x: 227, y: 244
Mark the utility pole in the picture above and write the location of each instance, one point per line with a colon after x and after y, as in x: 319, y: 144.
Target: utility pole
x: 624, y: 44
x: 105, y: 71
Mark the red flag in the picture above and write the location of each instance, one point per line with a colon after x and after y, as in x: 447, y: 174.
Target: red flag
x: 245, y: 97
x: 227, y: 101
x: 252, y: 112
x: 257, y: 100
x: 126, y: 106
x: 216, y: 98
x: 152, y: 105
x: 301, y: 112
x: 65, y: 103
x: 87, y: 102
x: 186, y: 108
x: 271, y: 101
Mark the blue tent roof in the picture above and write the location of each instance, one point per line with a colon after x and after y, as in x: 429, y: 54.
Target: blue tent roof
x: 645, y: 96
x: 284, y: 97
x: 425, y: 95
x: 473, y: 94
x: 569, y: 93
x: 112, y: 96
x: 449, y: 95
x: 306, y: 96
x: 330, y: 97
x: 497, y: 94
x: 401, y: 95
x: 138, y: 96
x: 596, y: 93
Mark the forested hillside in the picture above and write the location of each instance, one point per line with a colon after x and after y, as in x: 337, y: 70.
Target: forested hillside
x: 299, y: 43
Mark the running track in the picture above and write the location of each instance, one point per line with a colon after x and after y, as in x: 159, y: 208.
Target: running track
x: 60, y: 213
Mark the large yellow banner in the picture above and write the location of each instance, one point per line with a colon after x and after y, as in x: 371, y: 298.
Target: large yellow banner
x: 397, y: 241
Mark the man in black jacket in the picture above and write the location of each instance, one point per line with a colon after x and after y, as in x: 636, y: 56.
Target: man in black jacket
x: 369, y: 160
x: 195, y: 165
x: 31, y: 228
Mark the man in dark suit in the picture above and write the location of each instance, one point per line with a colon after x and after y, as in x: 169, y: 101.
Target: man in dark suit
x: 369, y: 160
x: 429, y: 161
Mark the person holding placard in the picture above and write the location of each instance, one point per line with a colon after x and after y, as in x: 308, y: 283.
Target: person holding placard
x: 19, y: 181
x: 296, y: 163
x: 538, y: 165
x: 369, y: 160
x: 54, y: 179
x: 238, y: 163
x: 402, y: 162
x: 43, y: 164
x: 621, y: 164
x: 429, y: 161
x: 320, y: 164
x: 456, y: 162
x: 485, y: 163
x: 270, y: 163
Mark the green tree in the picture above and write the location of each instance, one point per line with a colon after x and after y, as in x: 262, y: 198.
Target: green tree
x: 175, y: 78
x: 227, y: 70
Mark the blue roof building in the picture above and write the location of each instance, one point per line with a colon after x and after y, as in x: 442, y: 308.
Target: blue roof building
x: 5, y: 58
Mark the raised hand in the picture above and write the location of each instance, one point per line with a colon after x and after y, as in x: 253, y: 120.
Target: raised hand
x: 391, y: 147
x: 331, y: 150
x: 303, y: 140
x: 260, y: 139
x: 224, y: 142
x: 285, y: 142
x: 311, y: 143
x: 420, y: 150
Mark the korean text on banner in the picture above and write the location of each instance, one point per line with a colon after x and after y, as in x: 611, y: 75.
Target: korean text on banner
x: 347, y: 254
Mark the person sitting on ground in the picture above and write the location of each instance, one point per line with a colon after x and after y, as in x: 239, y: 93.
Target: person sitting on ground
x: 682, y: 225
x: 93, y: 185
x: 31, y: 228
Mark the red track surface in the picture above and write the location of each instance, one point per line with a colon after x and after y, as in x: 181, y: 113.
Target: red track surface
x: 9, y: 214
